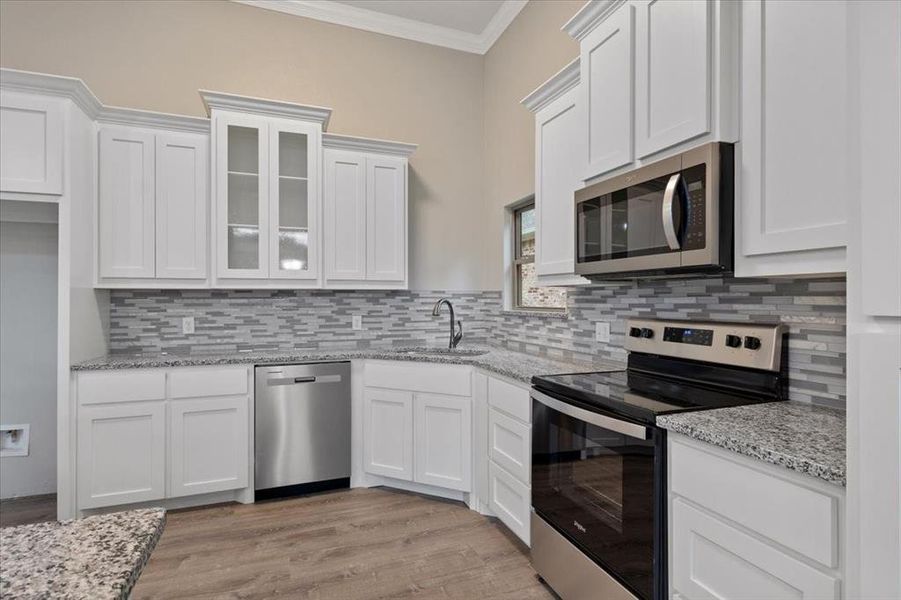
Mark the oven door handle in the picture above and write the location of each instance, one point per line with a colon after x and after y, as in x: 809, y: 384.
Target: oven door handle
x: 669, y: 221
x: 633, y: 430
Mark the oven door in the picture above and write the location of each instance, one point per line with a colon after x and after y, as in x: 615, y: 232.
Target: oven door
x: 594, y: 481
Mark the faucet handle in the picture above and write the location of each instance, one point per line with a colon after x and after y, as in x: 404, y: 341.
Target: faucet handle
x: 459, y: 335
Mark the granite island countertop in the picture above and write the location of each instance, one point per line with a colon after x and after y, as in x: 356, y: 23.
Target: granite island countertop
x: 799, y: 436
x: 520, y: 366
x: 95, y: 558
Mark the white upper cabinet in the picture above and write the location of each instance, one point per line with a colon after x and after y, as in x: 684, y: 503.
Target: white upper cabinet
x: 31, y: 144
x: 657, y: 77
x: 152, y: 206
x: 606, y: 96
x: 365, y: 191
x: 182, y: 204
x: 266, y: 172
x: 126, y: 203
x: 796, y: 149
x: 557, y: 175
x: 673, y: 45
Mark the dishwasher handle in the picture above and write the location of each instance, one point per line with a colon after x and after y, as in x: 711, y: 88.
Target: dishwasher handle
x: 310, y: 379
x: 306, y: 379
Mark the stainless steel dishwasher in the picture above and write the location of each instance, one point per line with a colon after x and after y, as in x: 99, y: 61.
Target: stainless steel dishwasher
x: 302, y: 428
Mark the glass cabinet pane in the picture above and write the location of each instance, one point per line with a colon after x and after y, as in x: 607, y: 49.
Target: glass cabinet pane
x: 293, y: 209
x: 243, y: 198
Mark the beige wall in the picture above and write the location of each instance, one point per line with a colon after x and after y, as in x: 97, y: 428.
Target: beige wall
x: 531, y: 50
x: 156, y: 55
x: 475, y: 140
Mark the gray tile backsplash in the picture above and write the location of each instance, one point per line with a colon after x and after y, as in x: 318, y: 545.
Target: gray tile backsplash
x: 231, y: 320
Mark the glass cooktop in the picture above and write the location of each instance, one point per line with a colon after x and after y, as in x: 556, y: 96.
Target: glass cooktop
x: 638, y: 395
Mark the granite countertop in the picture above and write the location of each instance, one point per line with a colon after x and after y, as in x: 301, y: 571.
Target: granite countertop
x: 802, y: 437
x: 508, y: 363
x: 95, y: 558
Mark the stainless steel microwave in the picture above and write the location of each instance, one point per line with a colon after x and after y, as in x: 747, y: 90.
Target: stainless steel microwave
x: 673, y: 217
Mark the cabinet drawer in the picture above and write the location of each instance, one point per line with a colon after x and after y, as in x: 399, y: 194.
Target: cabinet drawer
x: 806, y: 520
x: 510, y: 499
x: 511, y: 399
x: 708, y: 554
x: 196, y: 383
x: 102, y: 387
x: 510, y: 444
x: 453, y: 380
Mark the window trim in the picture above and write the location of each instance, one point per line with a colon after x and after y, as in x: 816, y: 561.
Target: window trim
x: 517, y: 260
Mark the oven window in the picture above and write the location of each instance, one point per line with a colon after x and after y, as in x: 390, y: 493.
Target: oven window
x: 596, y: 486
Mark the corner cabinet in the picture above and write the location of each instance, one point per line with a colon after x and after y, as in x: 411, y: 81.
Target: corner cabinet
x: 557, y: 175
x: 365, y: 212
x: 152, y: 204
x: 657, y: 77
x: 266, y: 174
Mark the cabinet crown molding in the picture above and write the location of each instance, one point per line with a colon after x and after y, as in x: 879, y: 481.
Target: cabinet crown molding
x: 72, y: 88
x: 590, y: 16
x: 117, y: 115
x: 268, y: 108
x: 561, y: 82
x: 361, y: 144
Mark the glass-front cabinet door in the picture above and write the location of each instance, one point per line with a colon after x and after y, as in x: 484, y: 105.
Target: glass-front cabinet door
x: 242, y: 192
x: 292, y: 208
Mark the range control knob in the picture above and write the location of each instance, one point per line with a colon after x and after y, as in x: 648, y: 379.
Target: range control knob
x: 647, y: 333
x: 752, y: 343
x: 733, y: 341
x: 634, y: 332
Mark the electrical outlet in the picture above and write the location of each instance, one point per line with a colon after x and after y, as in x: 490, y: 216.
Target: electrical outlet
x: 357, y: 322
x: 187, y: 325
x: 602, y: 331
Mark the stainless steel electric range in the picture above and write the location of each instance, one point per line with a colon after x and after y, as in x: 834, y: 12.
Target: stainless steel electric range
x: 599, y: 461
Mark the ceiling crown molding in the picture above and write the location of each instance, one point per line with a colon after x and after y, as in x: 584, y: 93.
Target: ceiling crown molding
x: 410, y: 29
x: 590, y: 16
x: 268, y: 108
x: 562, y: 81
x: 361, y: 144
x: 52, y: 85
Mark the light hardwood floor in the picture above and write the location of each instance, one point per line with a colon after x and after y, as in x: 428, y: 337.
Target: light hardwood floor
x: 347, y: 545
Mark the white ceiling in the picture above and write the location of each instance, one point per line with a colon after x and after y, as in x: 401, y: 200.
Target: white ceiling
x: 471, y: 16
x: 468, y: 25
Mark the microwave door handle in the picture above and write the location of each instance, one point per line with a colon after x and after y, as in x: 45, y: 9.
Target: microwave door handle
x: 669, y: 221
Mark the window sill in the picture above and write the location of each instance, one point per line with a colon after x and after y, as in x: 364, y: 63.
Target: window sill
x: 560, y: 315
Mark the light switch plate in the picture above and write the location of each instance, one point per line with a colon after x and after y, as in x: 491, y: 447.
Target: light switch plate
x: 187, y: 325
x: 357, y: 322
x: 602, y: 331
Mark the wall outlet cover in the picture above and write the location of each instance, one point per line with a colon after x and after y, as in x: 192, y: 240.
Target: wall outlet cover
x: 357, y: 322
x: 602, y: 331
x: 187, y: 325
x: 14, y: 440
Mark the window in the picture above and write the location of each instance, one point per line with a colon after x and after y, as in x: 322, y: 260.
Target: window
x: 526, y: 295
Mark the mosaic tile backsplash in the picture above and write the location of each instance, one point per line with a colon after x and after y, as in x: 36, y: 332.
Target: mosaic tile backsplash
x: 234, y: 320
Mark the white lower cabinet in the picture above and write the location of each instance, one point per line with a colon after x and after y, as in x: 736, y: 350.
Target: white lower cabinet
x: 510, y: 499
x: 121, y: 453
x: 208, y: 445
x: 388, y: 433
x: 510, y: 444
x: 150, y: 434
x: 442, y: 438
x: 741, y: 529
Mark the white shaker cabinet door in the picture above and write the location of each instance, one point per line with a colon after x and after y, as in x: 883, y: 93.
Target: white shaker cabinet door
x: 606, y: 74
x: 182, y: 202
x: 557, y: 175
x: 121, y: 453
x: 208, y: 445
x: 126, y: 202
x: 31, y: 144
x: 796, y: 144
x: 386, y: 219
x: 388, y: 433
x: 673, y: 45
x: 442, y: 437
x: 345, y: 215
